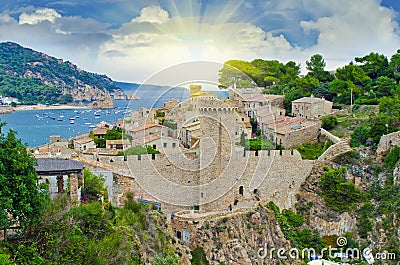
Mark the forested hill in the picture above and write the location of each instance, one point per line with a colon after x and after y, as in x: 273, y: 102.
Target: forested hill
x: 35, y: 77
x: 366, y: 80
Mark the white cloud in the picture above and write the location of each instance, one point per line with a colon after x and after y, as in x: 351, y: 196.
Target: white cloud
x: 355, y: 28
x: 152, y: 47
x: 43, y: 14
x: 152, y: 14
x: 339, y: 30
x: 5, y: 18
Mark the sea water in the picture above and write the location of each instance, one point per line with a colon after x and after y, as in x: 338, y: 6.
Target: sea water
x: 34, y: 127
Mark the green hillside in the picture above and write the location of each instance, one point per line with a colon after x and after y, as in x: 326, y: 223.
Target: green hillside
x: 34, y: 77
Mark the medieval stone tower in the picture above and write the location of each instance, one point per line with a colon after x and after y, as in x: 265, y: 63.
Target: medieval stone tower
x: 218, y: 134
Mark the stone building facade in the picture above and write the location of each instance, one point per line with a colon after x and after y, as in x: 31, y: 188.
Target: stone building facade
x: 291, y: 132
x: 311, y: 107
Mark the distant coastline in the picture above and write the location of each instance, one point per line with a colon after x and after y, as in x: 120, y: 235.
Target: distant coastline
x: 50, y: 107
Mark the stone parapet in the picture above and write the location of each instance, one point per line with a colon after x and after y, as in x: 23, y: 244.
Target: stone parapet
x: 330, y: 136
x: 387, y: 141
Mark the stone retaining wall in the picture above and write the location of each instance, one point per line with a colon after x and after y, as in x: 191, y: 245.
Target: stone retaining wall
x: 330, y: 136
x: 387, y: 141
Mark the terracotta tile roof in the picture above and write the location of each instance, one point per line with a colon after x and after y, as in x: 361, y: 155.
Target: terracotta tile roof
x: 150, y: 138
x: 80, y: 136
x: 144, y: 127
x: 83, y: 140
x: 257, y: 98
x: 272, y: 96
x: 90, y: 151
x: 124, y: 141
x: 99, y: 131
x: 271, y: 121
x: 310, y: 100
x: 287, y: 121
x: 105, y: 151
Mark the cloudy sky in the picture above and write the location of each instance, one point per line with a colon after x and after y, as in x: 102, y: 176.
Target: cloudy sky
x: 131, y: 40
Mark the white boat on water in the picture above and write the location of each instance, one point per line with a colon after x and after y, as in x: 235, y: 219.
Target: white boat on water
x: 72, y: 118
x: 87, y: 123
x: 92, y: 126
x: 72, y: 122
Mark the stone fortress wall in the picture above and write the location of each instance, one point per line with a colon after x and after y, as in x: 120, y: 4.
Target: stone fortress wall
x: 256, y: 176
x: 223, y: 175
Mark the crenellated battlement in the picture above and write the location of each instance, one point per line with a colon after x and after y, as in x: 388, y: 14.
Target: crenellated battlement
x: 215, y: 109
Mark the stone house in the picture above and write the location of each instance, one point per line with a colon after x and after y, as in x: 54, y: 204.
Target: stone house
x: 250, y: 99
x: 276, y: 101
x: 292, y: 132
x: 57, y: 140
x: 122, y: 144
x: 171, y: 104
x: 311, y: 107
x: 268, y: 114
x: 99, y: 133
x: 142, y: 131
x: 164, y: 144
x: 242, y: 125
x: 82, y: 144
x: 142, y: 116
x: 189, y: 134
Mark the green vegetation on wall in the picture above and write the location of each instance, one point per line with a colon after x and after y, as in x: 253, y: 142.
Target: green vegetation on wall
x: 313, y: 150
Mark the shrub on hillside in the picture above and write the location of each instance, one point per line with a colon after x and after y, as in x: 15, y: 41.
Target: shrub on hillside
x: 329, y: 122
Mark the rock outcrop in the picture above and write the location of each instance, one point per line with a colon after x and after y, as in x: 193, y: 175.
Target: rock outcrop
x: 6, y: 109
x: 104, y: 102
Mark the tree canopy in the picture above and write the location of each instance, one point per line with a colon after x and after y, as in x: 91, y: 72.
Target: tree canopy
x: 316, y: 67
x: 20, y: 198
x: 367, y: 80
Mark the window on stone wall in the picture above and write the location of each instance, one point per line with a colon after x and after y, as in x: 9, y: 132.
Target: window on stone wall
x: 241, y: 190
